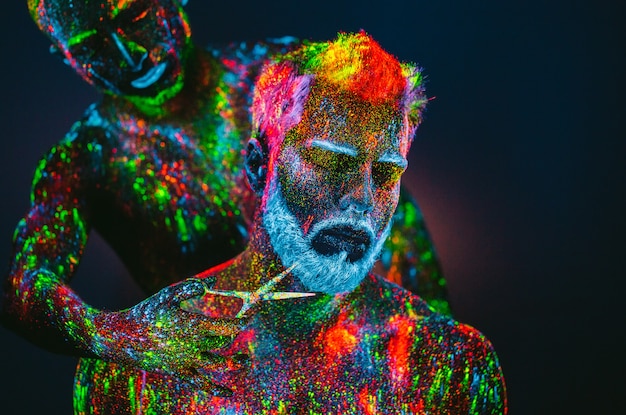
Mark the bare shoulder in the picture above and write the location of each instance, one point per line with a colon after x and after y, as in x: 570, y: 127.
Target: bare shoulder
x: 385, y: 299
x: 458, y: 367
x: 433, y: 359
x: 430, y: 329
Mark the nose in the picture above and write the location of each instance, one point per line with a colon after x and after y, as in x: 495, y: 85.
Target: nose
x: 133, y: 53
x: 359, y: 197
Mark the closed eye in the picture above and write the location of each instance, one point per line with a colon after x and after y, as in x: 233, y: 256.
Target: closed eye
x: 141, y: 16
x: 329, y: 160
x: 80, y: 37
x: 386, y: 173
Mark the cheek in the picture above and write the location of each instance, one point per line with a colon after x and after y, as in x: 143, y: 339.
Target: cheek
x: 386, y: 203
x: 176, y: 32
x: 94, y: 66
x: 105, y: 62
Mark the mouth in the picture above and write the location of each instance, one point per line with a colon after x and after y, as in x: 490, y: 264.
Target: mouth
x: 152, y: 76
x: 336, y: 239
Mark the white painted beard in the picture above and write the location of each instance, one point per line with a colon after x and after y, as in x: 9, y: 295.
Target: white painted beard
x: 331, y: 274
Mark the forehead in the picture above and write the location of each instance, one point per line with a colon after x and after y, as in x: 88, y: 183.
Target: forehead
x: 348, y: 121
x: 70, y: 22
x: 117, y: 6
x: 69, y: 13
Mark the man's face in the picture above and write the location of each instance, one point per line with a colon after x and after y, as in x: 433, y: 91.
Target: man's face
x: 132, y: 47
x: 338, y: 172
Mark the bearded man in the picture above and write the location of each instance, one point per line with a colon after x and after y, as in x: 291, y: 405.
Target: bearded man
x: 334, y: 124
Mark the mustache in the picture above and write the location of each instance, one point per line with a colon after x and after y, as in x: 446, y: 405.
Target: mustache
x: 359, y: 225
x: 317, y: 272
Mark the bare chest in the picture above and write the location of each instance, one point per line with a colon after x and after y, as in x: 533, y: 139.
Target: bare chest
x: 171, y: 199
x: 337, y: 371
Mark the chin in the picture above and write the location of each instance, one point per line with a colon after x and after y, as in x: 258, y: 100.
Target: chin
x: 320, y: 270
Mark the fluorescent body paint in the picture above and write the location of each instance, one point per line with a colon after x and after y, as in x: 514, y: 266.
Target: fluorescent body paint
x: 157, y: 172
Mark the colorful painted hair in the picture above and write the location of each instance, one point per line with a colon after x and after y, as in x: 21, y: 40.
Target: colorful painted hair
x: 354, y: 63
x: 52, y: 15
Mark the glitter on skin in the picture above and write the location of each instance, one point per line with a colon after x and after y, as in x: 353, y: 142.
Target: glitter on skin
x: 157, y: 172
x: 377, y: 349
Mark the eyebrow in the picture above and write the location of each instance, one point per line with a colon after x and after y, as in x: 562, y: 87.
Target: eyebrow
x: 335, y: 148
x: 395, y: 159
x: 76, y: 39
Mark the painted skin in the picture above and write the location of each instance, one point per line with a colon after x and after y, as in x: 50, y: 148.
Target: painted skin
x: 155, y: 169
x: 159, y: 180
x: 376, y: 349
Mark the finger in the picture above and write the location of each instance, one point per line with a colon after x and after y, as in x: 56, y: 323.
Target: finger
x: 239, y: 361
x: 219, y: 390
x: 220, y: 326
x: 209, y: 281
x: 206, y: 276
x: 216, y: 390
x: 187, y: 289
x: 242, y: 322
x: 217, y: 342
x: 207, y: 386
x: 214, y: 363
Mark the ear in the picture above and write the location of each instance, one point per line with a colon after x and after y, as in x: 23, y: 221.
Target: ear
x: 255, y: 161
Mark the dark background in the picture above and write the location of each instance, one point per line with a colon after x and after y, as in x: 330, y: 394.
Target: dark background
x: 518, y: 168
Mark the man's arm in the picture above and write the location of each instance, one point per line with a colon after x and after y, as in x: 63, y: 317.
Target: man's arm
x: 479, y: 375
x: 48, y: 244
x: 459, y: 370
x: 39, y: 304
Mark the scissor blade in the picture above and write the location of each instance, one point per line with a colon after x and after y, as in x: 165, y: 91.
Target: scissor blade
x: 271, y: 283
x: 283, y: 295
x: 269, y: 297
x: 244, y: 295
x: 262, y: 293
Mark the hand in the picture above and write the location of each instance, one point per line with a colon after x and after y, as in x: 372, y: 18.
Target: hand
x: 158, y: 336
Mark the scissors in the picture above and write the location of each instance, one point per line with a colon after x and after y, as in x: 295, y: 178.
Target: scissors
x: 262, y: 293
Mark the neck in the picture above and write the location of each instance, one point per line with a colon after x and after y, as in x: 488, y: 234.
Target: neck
x: 257, y: 265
